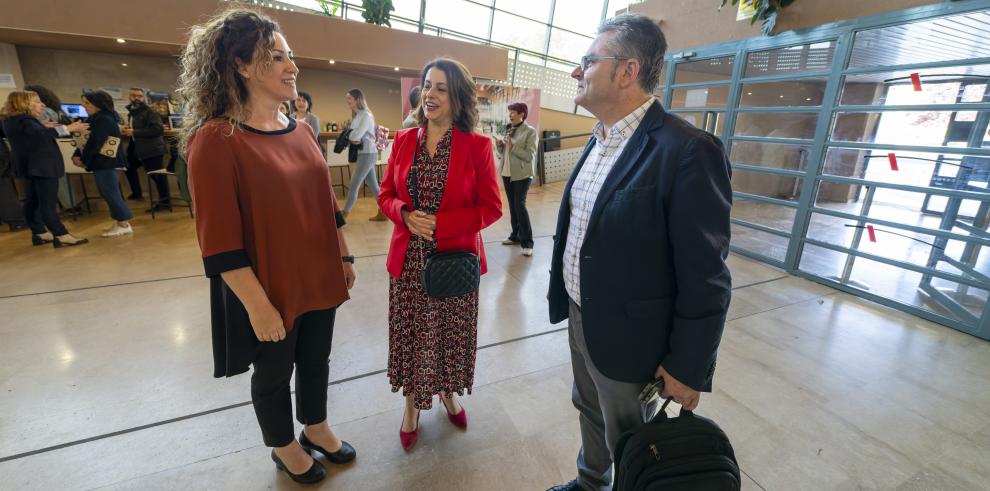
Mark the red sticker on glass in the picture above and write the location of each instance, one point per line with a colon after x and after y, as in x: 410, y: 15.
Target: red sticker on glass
x: 916, y: 82
x: 893, y: 162
x: 873, y: 233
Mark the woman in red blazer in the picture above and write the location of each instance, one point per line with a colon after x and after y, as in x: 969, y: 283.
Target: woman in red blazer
x: 433, y: 341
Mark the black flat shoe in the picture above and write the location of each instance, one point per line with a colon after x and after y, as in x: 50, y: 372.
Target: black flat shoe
x: 35, y: 240
x: 58, y: 243
x: 342, y: 456
x: 14, y: 227
x: 316, y: 472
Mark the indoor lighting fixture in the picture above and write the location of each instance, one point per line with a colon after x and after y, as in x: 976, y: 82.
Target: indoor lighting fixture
x: 123, y: 64
x: 332, y: 62
x: 396, y: 68
x: 121, y: 40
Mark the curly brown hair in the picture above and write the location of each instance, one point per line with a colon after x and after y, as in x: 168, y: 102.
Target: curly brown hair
x: 210, y: 82
x: 463, y: 94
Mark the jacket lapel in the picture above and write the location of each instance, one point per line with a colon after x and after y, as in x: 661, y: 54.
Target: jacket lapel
x: 627, y: 160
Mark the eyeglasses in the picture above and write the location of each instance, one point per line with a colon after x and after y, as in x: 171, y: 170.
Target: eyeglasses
x: 587, y: 59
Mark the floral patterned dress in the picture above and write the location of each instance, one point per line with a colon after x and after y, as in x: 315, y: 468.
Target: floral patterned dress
x: 432, y: 341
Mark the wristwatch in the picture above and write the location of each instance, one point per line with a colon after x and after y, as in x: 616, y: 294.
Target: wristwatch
x: 347, y: 259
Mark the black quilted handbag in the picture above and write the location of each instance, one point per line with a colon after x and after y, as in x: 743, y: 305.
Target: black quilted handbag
x: 446, y: 274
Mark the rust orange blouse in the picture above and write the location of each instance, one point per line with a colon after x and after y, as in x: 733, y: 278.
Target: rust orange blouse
x: 264, y: 200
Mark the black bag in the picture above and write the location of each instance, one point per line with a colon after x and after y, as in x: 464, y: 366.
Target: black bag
x: 685, y: 453
x: 344, y: 141
x: 446, y: 274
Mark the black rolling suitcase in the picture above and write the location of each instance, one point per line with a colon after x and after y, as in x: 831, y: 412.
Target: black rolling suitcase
x: 686, y: 453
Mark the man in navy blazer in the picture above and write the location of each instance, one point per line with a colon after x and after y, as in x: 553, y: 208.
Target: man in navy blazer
x: 639, y: 254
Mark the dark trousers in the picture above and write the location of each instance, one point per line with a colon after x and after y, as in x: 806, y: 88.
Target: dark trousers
x: 41, y: 206
x: 149, y: 164
x: 307, y: 346
x: 522, y: 230
x: 11, y: 211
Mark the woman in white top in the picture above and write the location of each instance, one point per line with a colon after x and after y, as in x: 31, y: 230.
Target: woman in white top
x: 363, y: 130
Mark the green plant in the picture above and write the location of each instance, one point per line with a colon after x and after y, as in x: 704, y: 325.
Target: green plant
x: 377, y: 12
x: 329, y: 7
x: 766, y: 10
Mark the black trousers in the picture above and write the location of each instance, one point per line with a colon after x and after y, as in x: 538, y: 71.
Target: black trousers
x: 41, y: 206
x: 149, y: 164
x: 307, y: 346
x: 11, y: 211
x: 522, y: 230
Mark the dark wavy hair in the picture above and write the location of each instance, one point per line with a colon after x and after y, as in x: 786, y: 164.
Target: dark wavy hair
x: 462, y: 90
x: 102, y: 100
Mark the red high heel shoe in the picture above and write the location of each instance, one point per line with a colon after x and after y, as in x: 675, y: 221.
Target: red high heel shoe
x: 408, y: 438
x: 460, y: 419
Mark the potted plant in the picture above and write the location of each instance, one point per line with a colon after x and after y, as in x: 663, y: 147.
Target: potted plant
x: 329, y: 7
x: 766, y: 10
x: 377, y: 12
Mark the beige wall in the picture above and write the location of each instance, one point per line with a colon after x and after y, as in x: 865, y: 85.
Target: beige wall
x: 68, y: 72
x: 328, y: 89
x: 567, y: 124
x: 694, y: 23
x: 10, y: 63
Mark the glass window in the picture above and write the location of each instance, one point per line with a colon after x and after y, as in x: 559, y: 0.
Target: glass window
x: 957, y: 37
x: 769, y: 245
x: 919, y: 209
x: 792, y: 93
x: 937, y: 170
x: 777, y: 125
x: 460, y: 16
x: 702, y: 97
x: 768, y: 185
x: 710, y: 121
x: 567, y: 45
x: 930, y: 128
x: 519, y: 32
x: 772, y: 155
x: 710, y: 70
x: 805, y: 58
x: 947, y: 85
x: 891, y: 282
x: 584, y: 19
x: 538, y: 10
x: 766, y: 214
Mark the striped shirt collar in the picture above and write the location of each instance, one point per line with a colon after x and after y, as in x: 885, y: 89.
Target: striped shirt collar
x: 625, y: 127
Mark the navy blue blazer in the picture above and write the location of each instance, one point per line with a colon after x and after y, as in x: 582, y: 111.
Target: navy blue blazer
x: 33, y: 149
x: 654, y: 284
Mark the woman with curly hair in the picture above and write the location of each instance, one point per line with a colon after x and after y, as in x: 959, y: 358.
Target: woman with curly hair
x: 269, y: 229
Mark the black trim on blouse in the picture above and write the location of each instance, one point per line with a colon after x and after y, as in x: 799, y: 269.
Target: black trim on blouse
x: 340, y: 219
x: 226, y: 261
x: 287, y: 129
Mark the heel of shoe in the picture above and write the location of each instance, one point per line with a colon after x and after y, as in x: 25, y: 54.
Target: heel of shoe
x: 408, y: 438
x: 460, y: 419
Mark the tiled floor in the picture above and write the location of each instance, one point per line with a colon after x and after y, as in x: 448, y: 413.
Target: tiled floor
x: 105, y: 380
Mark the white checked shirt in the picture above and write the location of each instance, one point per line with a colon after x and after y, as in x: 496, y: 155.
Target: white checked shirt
x: 587, y: 185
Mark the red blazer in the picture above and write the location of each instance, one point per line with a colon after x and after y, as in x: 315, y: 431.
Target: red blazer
x: 470, y: 201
